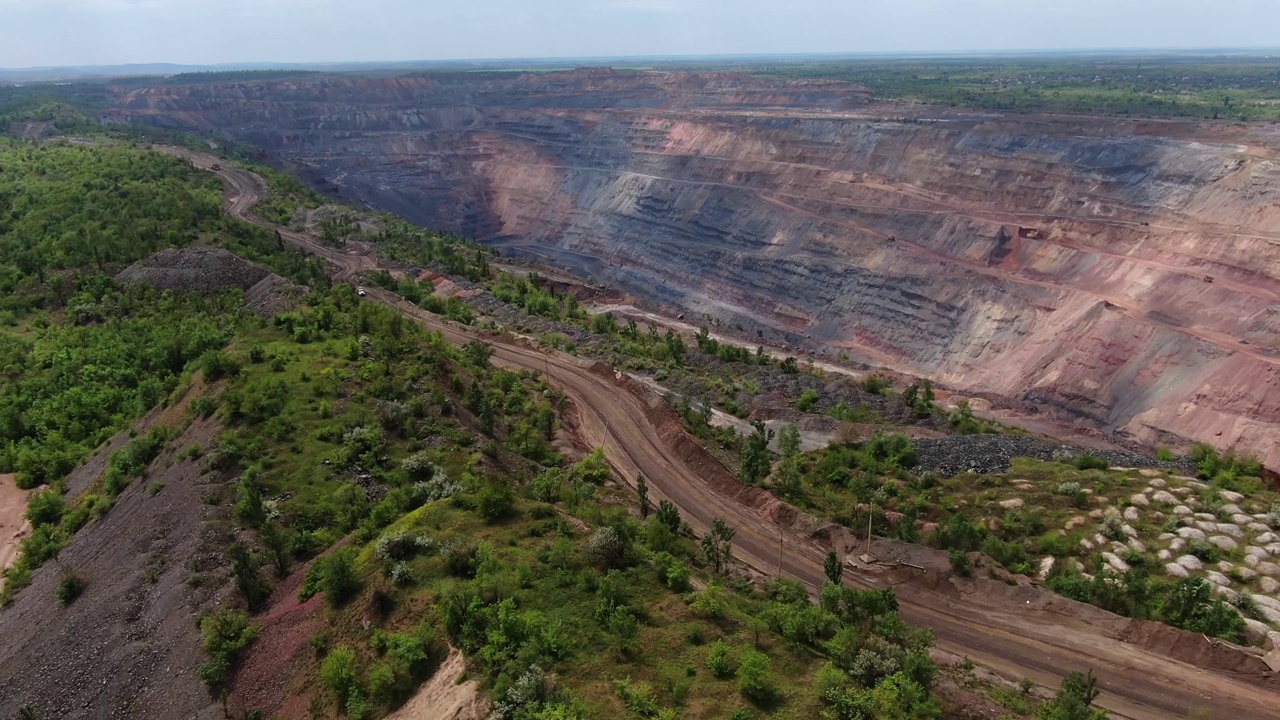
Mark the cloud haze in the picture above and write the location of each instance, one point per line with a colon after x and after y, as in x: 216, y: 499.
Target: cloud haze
x: 84, y: 32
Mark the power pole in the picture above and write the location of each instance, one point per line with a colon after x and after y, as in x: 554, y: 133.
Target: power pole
x: 779, y: 551
x: 871, y: 511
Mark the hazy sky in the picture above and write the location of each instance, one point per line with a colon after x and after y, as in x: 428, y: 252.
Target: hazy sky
x: 82, y: 32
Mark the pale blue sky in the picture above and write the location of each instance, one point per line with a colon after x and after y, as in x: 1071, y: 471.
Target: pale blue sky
x: 82, y: 32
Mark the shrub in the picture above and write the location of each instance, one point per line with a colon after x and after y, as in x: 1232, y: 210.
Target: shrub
x: 960, y: 533
x: 217, y: 364
x: 710, y: 602
x: 755, y: 676
x: 44, y: 543
x: 1074, y: 700
x: 608, y: 547
x: 46, y: 507
x: 877, y: 385
x: 204, y: 406
x: 70, y: 585
x: 334, y: 575
x: 1056, y: 544
x: 1273, y: 517
x: 1203, y: 550
x: 1092, y: 462
x: 419, y: 466
x: 807, y: 400
x: 1165, y: 455
x: 718, y: 660
x: 1070, y: 489
x: 245, y: 570
x: 1112, y: 527
x: 225, y: 635
x: 495, y: 501
x: 960, y: 563
x: 340, y: 675
x: 677, y: 576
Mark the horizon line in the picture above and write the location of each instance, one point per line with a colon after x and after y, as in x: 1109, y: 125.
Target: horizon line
x: 563, y: 59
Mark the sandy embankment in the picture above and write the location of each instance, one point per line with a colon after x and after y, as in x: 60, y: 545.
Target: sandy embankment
x: 13, y: 522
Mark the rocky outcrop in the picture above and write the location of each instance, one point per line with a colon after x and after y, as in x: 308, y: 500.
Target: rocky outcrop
x: 209, y: 271
x: 1120, y: 272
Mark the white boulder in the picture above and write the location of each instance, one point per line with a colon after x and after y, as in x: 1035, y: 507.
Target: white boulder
x: 1114, y: 562
x: 1229, y: 529
x: 1269, y: 569
x: 1224, y: 542
x: 1216, y: 578
x: 1190, y: 563
x: 1187, y: 533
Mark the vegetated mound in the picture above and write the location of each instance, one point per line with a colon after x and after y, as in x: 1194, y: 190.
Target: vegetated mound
x: 209, y: 271
x: 993, y: 453
x: 129, y: 645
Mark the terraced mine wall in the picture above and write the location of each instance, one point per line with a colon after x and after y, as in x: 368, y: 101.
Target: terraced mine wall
x: 1121, y: 273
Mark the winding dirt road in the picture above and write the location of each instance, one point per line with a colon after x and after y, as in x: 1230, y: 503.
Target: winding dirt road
x: 1042, y: 644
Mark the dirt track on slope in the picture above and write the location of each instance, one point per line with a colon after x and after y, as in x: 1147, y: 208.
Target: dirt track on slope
x: 1018, y: 632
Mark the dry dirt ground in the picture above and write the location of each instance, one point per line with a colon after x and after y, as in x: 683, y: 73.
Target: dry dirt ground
x: 1015, y: 632
x: 446, y: 696
x: 13, y: 524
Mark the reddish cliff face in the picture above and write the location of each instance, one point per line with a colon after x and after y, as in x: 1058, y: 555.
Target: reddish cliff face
x: 1122, y: 272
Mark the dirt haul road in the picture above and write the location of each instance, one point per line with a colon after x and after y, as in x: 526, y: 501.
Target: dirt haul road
x: 1042, y: 644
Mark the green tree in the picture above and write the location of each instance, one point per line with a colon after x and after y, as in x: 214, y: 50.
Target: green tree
x: 669, y: 517
x: 276, y: 542
x: 807, y: 400
x: 338, y: 577
x: 642, y: 491
x: 834, y: 569
x: 495, y: 501
x: 756, y: 458
x: 248, y: 579
x: 226, y: 634
x: 755, y: 676
x: 789, y: 441
x: 717, y: 545
x: 1074, y: 700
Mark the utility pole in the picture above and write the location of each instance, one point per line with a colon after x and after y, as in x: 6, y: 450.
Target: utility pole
x: 871, y: 511
x: 779, y: 551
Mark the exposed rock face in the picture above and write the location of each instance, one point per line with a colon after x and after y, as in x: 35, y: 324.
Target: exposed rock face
x: 1122, y: 272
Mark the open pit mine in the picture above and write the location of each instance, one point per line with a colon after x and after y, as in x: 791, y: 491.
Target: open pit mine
x: 1122, y: 274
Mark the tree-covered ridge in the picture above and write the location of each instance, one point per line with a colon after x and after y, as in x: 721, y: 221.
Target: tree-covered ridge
x: 94, y: 208
x: 65, y: 389
x: 81, y: 356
